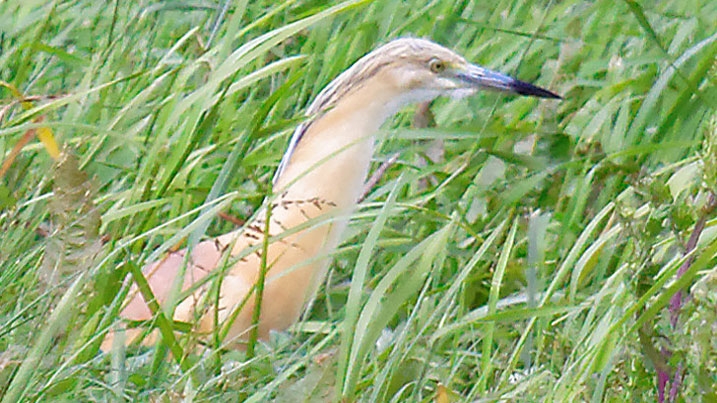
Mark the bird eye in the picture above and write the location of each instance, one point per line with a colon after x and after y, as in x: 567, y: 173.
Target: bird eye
x: 436, y: 65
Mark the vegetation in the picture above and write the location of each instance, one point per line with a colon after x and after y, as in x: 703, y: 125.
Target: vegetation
x: 557, y: 251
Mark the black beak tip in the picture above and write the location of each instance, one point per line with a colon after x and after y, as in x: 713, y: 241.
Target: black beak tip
x: 523, y: 88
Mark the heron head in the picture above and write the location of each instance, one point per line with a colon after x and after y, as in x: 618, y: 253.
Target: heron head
x: 409, y: 70
x: 423, y: 70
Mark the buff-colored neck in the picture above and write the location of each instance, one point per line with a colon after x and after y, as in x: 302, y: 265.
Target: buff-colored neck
x: 333, y: 157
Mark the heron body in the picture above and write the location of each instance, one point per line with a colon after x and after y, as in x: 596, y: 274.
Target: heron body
x: 318, y: 184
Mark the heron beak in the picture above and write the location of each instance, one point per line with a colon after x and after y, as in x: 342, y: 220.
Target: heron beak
x: 477, y: 77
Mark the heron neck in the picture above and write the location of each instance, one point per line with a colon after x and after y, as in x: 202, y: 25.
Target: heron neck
x: 333, y: 157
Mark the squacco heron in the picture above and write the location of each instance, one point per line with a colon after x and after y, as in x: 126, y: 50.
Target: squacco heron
x: 318, y: 184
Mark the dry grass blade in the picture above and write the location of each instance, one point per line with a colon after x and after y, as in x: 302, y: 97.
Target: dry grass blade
x: 74, y: 239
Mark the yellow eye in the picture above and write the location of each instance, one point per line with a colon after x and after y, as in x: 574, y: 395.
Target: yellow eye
x: 436, y: 65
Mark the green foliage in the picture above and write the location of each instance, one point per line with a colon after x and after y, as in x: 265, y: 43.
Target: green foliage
x: 535, y: 262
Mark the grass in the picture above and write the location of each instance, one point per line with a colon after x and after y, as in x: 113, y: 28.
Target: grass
x: 539, y: 260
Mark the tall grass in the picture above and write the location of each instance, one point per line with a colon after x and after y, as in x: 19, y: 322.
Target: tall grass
x: 537, y: 261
